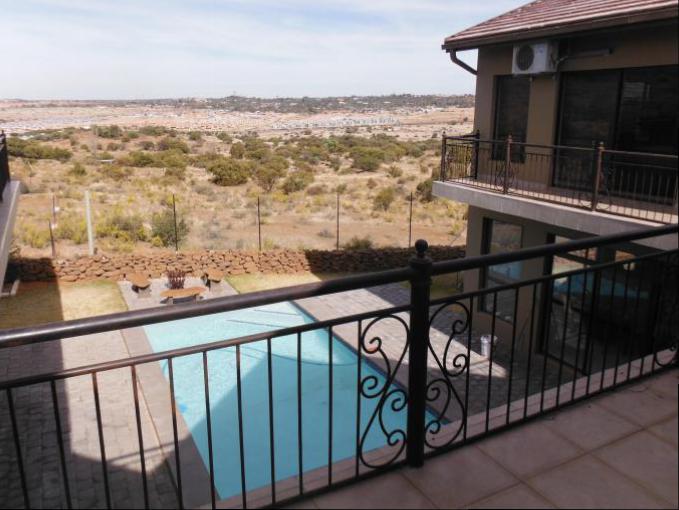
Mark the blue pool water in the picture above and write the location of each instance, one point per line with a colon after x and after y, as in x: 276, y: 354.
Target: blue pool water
x: 189, y: 394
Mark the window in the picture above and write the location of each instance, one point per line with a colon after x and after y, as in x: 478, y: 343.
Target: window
x: 629, y: 109
x: 511, y: 113
x: 501, y: 237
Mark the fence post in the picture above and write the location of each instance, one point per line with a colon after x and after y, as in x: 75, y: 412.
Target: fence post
x: 338, y: 221
x: 410, y: 222
x: 508, y: 162
x: 52, y: 243
x: 174, y: 215
x: 597, y: 175
x: 420, y: 288
x: 259, y: 226
x: 442, y: 172
x: 88, y: 220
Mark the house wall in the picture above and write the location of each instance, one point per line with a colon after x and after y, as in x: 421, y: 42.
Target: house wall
x: 637, y: 47
x: 630, y: 48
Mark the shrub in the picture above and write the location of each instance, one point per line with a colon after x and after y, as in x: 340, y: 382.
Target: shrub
x: 317, y: 189
x: 297, y: 181
x: 384, y: 198
x: 358, y: 243
x: 341, y: 188
x: 229, y: 172
x: 138, y: 159
x: 73, y: 227
x: 424, y: 190
x: 394, y: 171
x: 33, y: 236
x: 113, y: 146
x: 269, y: 172
x: 163, y: 231
x: 367, y: 159
x: 111, y: 131
x: 147, y: 145
x: 78, y: 170
x: 125, y: 227
x: 154, y: 130
x: 195, y: 136
x: 224, y: 137
x: 31, y: 149
x: 237, y: 150
x: 171, y: 143
x: 115, y: 172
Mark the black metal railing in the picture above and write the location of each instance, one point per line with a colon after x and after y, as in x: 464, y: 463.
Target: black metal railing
x: 4, y: 164
x: 428, y: 376
x: 633, y: 184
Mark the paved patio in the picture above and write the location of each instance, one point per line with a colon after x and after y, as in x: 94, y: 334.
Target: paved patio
x: 618, y: 450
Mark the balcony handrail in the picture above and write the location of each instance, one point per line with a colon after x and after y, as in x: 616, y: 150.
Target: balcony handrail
x: 15, y: 337
x: 470, y: 138
x: 4, y: 163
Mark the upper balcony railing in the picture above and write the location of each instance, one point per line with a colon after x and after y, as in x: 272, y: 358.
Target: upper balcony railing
x: 4, y: 164
x: 633, y: 184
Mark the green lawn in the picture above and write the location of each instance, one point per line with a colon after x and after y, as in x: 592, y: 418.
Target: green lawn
x: 42, y: 302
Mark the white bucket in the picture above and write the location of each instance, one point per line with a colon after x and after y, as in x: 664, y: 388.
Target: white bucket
x: 485, y: 344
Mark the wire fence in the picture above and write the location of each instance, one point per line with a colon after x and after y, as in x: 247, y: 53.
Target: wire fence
x: 63, y: 225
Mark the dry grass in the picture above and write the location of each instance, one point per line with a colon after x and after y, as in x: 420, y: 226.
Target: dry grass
x: 254, y: 282
x: 43, y: 302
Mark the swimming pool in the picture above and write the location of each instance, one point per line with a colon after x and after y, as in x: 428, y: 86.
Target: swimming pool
x: 190, y: 398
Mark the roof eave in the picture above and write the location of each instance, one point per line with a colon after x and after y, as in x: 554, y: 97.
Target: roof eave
x: 627, y: 20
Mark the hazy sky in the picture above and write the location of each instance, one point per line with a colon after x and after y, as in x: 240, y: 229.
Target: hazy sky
x: 103, y: 49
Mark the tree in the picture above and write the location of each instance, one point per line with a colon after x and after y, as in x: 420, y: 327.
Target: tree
x: 269, y: 172
x: 237, y: 150
x: 162, y: 227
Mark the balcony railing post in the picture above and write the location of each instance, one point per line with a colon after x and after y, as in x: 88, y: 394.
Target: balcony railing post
x: 597, y: 175
x: 475, y: 161
x: 420, y: 288
x: 508, y: 161
x: 442, y: 173
x: 4, y: 163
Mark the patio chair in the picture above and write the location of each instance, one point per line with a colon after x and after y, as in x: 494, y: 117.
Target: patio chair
x: 212, y: 278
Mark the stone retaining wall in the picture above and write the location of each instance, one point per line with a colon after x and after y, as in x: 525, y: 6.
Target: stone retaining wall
x: 231, y: 262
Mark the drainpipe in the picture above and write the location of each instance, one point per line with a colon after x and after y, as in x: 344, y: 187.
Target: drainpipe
x: 463, y: 65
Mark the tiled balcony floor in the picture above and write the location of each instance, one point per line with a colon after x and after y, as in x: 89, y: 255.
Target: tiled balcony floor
x: 618, y: 450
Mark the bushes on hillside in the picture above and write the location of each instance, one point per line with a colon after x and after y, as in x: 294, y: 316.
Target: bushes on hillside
x: 269, y: 172
x: 424, y: 190
x: 297, y: 181
x: 230, y: 172
x: 111, y: 131
x: 163, y: 228
x: 31, y: 149
x: 384, y: 198
x: 172, y: 143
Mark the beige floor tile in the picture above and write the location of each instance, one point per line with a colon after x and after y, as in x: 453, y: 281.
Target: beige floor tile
x: 668, y: 430
x: 455, y: 479
x: 648, y: 460
x: 639, y: 404
x: 589, y: 483
x: 529, y: 449
x: 665, y: 384
x: 390, y: 490
x: 589, y: 425
x: 519, y: 496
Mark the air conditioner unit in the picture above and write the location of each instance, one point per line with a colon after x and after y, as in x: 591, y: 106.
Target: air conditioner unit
x: 534, y: 58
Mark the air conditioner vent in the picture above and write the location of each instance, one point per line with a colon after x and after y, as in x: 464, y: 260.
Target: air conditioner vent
x: 534, y: 58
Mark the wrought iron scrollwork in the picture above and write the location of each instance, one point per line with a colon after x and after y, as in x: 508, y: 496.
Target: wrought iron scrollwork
x: 389, y: 395
x: 442, y: 387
